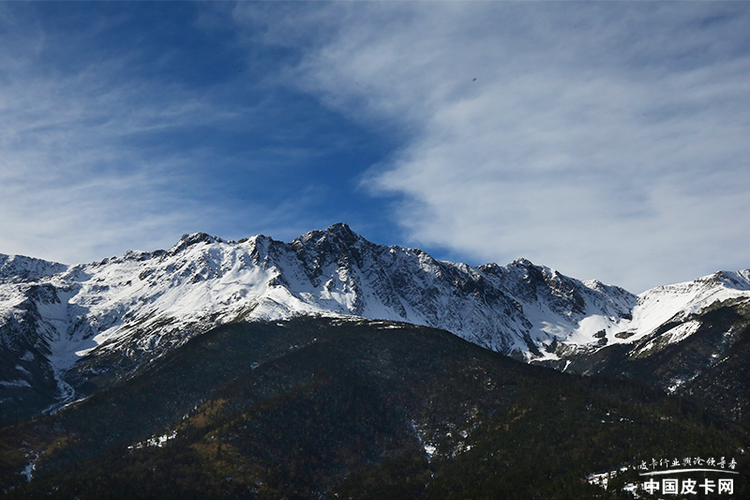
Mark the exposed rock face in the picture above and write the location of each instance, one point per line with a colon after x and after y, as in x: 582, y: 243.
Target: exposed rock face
x: 64, y: 331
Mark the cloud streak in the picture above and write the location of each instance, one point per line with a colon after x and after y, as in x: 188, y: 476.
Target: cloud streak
x: 109, y: 142
x: 606, y: 140
x: 68, y: 164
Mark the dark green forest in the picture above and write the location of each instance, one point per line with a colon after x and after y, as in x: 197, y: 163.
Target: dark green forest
x: 320, y: 408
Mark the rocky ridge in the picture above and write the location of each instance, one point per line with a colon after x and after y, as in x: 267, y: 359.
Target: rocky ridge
x: 66, y: 331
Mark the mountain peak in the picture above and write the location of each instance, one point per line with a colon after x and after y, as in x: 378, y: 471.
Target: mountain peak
x: 340, y: 227
x: 343, y: 233
x: 22, y: 268
x: 523, y: 262
x: 123, y: 311
x: 739, y: 280
x: 339, y: 232
x: 337, y: 238
x: 188, y: 240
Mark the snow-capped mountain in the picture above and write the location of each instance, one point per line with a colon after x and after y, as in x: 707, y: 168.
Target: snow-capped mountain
x: 65, y: 330
x: 662, y: 315
x: 690, y: 338
x: 672, y: 310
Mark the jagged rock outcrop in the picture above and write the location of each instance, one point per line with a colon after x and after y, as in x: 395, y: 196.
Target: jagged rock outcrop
x: 83, y: 327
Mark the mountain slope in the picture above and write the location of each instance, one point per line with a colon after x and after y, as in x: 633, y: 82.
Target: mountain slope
x: 347, y: 408
x: 67, y: 331
x: 87, y: 323
x: 702, y: 351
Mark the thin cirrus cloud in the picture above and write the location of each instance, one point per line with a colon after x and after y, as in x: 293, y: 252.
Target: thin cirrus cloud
x: 126, y: 125
x: 72, y: 177
x: 606, y: 140
x: 73, y: 182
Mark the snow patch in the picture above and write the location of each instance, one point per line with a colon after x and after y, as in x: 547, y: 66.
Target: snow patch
x: 155, y: 441
x: 15, y: 383
x: 673, y: 336
x: 602, y: 479
x: 28, y: 471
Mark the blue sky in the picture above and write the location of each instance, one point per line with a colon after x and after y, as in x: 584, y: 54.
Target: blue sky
x: 606, y: 140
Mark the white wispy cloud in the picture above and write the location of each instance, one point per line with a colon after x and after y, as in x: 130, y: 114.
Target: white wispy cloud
x: 96, y: 152
x: 607, y: 140
x: 68, y: 173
